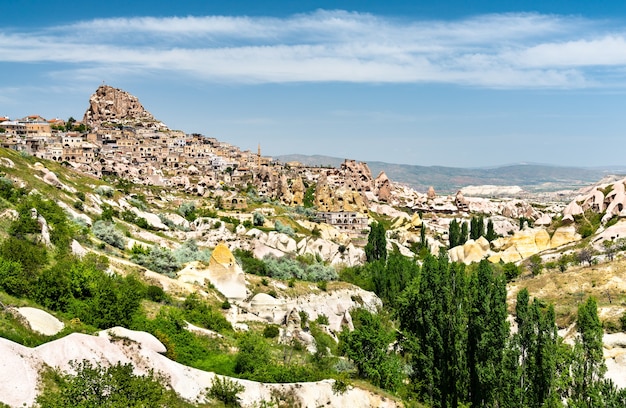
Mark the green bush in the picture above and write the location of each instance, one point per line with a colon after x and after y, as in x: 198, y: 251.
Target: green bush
x: 189, y: 251
x: 104, y: 191
x: 188, y: 210
x: 12, y: 279
x: 198, y: 312
x: 322, y: 319
x: 114, y: 386
x: 225, y: 390
x: 258, y: 219
x: 159, y: 260
x: 155, y: 293
x: 107, y: 232
x: 284, y: 229
x: 271, y: 331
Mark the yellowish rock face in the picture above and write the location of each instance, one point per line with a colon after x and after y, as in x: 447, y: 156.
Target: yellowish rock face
x: 222, y: 255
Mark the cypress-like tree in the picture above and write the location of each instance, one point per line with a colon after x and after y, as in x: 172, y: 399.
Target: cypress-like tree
x: 589, y: 367
x: 464, y: 233
x: 376, y: 247
x: 491, y: 233
x: 454, y: 233
x: 477, y: 227
x: 488, y: 331
x: 536, y: 342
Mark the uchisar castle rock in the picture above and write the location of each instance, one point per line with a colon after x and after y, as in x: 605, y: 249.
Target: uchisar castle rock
x: 199, y: 218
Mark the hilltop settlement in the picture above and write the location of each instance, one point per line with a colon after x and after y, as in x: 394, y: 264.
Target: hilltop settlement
x: 218, y: 275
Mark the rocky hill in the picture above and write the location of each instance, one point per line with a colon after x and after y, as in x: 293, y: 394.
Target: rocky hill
x: 111, y: 107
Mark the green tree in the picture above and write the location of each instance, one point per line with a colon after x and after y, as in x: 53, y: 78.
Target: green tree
x: 368, y: 347
x: 464, y: 233
x: 376, y: 247
x: 253, y: 356
x: 535, y: 264
x: 488, y: 332
x: 536, y: 343
x: 454, y: 233
x: 589, y: 367
x: 432, y: 312
x: 477, y: 227
x: 491, y: 233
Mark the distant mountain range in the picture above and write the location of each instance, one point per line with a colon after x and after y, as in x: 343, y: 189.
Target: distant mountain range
x: 530, y: 177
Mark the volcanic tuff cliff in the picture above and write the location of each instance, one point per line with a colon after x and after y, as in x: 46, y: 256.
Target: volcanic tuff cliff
x: 115, y: 106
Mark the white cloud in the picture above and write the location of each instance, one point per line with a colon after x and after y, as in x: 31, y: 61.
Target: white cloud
x: 501, y: 50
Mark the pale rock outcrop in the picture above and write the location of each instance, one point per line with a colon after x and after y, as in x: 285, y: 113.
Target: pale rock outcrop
x: 75, y: 214
x: 471, y: 251
x: 177, y: 220
x: 283, y: 192
x: 41, y: 321
x: 44, y: 236
x: 20, y: 371
x: 77, y: 249
x: 382, y: 186
x: 609, y: 198
x: 431, y: 193
x: 10, y: 214
x: 564, y: 235
x: 615, y: 357
x: 297, y: 191
x: 543, y: 221
x: 525, y: 243
x: 223, y: 272
x: 334, y: 304
x: 6, y: 162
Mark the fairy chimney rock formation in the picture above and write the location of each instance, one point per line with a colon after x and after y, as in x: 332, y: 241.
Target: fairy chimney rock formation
x: 116, y: 107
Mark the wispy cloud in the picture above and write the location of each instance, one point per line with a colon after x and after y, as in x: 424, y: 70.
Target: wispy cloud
x: 502, y: 50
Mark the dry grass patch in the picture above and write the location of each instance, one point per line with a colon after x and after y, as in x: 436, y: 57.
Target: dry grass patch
x: 606, y: 282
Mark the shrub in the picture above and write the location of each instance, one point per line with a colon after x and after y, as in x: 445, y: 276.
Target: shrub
x: 114, y: 386
x: 189, y: 252
x: 80, y: 195
x: 225, y: 390
x: 188, y: 210
x: 258, y: 219
x: 284, y: 229
x: 322, y: 319
x: 159, y: 260
x: 320, y: 272
x: 155, y: 293
x: 104, y: 191
x: 511, y: 271
x: 78, y: 205
x: 271, y: 331
x: 107, y: 232
x: 11, y: 278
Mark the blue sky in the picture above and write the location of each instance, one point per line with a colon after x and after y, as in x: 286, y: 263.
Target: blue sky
x: 453, y: 83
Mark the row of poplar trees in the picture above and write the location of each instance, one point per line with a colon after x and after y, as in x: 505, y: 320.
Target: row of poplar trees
x: 459, y: 347
x: 459, y: 232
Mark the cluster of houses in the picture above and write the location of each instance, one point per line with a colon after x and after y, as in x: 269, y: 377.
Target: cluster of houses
x: 192, y: 162
x: 148, y: 151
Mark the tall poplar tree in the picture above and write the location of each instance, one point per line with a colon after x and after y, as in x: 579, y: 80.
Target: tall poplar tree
x: 488, y: 331
x: 454, y: 233
x: 376, y: 247
x: 589, y: 367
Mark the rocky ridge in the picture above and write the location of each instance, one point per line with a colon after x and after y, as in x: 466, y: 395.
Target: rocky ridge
x: 114, y: 106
